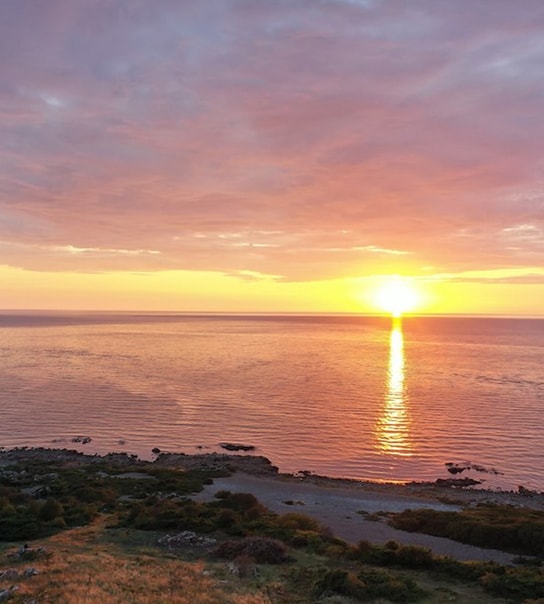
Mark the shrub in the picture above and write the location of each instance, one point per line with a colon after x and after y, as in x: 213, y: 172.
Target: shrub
x: 50, y: 510
x: 517, y: 530
x: 223, y: 494
x: 341, y: 582
x: 413, y: 556
x: 262, y: 549
x: 226, y: 519
x: 374, y: 554
x: 516, y: 583
x: 367, y: 585
x: 241, y: 501
x: 299, y: 522
x: 380, y: 584
x: 309, y: 539
x: 245, y: 504
x: 394, y: 554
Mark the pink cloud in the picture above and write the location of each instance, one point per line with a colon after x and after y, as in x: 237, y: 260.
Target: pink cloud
x: 342, y: 127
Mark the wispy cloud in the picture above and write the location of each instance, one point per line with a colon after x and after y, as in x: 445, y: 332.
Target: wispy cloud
x: 528, y: 276
x: 329, y: 137
x: 70, y: 249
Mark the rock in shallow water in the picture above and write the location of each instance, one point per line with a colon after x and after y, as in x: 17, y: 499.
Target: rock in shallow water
x: 84, y: 440
x: 237, y: 447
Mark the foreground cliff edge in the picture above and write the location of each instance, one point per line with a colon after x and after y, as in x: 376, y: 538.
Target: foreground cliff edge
x: 229, y: 528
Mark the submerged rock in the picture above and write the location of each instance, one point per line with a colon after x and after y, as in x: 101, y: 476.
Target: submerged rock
x: 457, y: 468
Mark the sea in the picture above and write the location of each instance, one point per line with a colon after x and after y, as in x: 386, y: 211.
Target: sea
x: 370, y: 398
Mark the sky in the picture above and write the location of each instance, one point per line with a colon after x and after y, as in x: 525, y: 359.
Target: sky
x: 271, y: 155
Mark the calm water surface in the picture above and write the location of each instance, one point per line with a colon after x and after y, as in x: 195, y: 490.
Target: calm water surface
x: 344, y: 396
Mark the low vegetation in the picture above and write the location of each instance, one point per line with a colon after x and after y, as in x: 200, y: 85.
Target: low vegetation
x: 131, y: 533
x: 508, y: 528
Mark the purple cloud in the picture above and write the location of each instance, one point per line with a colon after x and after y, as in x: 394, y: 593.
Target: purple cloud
x: 339, y: 137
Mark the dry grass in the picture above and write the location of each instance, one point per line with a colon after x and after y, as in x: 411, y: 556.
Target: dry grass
x: 84, y: 569
x: 94, y: 565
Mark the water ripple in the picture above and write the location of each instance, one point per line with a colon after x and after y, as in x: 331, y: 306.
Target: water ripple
x: 344, y: 398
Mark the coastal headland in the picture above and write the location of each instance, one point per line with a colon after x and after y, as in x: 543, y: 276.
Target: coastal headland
x: 216, y: 496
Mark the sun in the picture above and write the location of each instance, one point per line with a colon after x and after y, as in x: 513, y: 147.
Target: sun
x: 397, y: 296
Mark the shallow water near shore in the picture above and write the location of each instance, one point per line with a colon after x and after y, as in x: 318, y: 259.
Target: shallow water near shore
x: 354, y: 397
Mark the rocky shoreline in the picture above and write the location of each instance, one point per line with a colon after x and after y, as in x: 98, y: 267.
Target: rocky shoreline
x: 351, y: 510
x: 250, y: 464
x: 450, y: 491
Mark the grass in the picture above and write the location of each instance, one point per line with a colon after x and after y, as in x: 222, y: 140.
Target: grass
x: 508, y: 528
x: 100, y: 524
x: 98, y: 563
x: 87, y: 567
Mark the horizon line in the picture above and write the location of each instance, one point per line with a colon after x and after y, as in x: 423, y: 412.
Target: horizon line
x: 256, y: 313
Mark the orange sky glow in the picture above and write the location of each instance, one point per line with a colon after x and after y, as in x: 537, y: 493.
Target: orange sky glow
x: 259, y: 156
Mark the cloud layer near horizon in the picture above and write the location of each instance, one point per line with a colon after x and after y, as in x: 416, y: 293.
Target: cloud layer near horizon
x: 303, y: 139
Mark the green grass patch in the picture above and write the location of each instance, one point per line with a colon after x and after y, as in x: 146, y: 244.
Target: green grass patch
x: 140, y: 502
x: 38, y: 499
x: 508, y: 528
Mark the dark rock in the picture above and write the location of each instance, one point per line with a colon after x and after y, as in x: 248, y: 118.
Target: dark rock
x: 237, y: 447
x: 26, y: 552
x: 186, y: 539
x: 8, y: 593
x: 30, y: 572
x: 250, y: 464
x: 526, y: 492
x: 454, y: 468
x: 457, y: 468
x: 456, y: 482
x: 84, y: 440
x: 60, y: 457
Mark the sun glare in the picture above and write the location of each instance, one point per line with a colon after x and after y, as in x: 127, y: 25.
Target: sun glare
x: 397, y: 295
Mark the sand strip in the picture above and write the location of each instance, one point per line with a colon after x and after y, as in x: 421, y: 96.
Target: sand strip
x: 337, y: 507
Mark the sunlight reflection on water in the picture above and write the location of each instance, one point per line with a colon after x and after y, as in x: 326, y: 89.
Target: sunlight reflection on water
x: 345, y: 396
x: 393, y: 426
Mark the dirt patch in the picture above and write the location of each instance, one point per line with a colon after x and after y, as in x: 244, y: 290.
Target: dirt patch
x: 338, y: 505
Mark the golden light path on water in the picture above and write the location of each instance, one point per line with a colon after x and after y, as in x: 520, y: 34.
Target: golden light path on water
x: 393, y: 426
